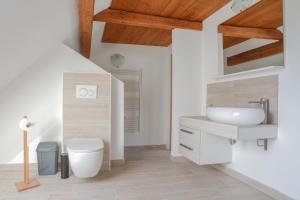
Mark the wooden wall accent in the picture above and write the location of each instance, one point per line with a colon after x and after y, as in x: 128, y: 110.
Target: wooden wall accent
x: 87, y: 117
x: 239, y: 92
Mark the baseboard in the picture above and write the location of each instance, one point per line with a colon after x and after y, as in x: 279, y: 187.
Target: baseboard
x: 253, y: 183
x: 16, y: 166
x: 160, y: 146
x: 117, y: 163
x: 179, y: 159
x: 19, y: 166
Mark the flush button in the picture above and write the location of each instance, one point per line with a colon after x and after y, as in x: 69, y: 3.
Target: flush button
x: 86, y: 91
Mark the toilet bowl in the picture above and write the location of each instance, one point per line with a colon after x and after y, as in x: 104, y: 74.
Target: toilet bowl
x: 85, y: 156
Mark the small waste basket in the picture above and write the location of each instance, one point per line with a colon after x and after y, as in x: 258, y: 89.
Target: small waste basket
x: 47, y: 154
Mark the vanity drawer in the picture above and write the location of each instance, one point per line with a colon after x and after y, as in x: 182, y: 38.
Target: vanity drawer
x: 188, y: 152
x: 189, y: 137
x: 189, y: 143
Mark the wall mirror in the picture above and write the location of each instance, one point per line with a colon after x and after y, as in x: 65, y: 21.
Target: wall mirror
x: 253, y: 39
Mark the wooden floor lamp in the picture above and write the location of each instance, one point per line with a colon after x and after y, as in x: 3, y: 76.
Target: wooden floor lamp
x: 26, y: 184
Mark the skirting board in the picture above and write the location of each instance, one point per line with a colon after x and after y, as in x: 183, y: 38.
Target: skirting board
x: 17, y: 166
x: 117, y: 163
x: 253, y: 183
x: 159, y: 146
x: 179, y: 159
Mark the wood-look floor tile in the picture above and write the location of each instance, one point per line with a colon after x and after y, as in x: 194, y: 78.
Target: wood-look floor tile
x: 148, y: 174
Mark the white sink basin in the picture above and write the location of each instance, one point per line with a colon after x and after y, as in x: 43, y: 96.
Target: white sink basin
x: 236, y: 116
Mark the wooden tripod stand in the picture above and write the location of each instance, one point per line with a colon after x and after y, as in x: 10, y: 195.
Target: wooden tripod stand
x: 26, y: 184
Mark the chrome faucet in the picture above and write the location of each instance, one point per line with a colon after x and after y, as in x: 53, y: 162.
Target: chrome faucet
x: 264, y: 104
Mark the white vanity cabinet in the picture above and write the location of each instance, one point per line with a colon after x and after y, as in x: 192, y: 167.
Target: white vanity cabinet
x: 203, y: 148
x: 206, y: 142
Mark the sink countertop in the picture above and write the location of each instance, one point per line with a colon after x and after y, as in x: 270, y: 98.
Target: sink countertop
x: 262, y: 131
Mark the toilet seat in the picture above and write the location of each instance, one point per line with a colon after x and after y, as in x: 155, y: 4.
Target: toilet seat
x: 85, y: 145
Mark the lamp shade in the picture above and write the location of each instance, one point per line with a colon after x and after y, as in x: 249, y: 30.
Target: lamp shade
x: 117, y: 60
x: 23, y: 125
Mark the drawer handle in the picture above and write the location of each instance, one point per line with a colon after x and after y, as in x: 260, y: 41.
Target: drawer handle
x: 185, y: 131
x: 189, y: 148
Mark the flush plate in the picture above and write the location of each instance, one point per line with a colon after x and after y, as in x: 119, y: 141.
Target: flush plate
x: 86, y: 91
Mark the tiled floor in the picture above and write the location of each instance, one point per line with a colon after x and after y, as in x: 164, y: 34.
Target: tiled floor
x: 148, y: 174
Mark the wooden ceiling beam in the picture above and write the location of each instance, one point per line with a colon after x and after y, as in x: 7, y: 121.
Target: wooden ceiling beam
x: 86, y: 14
x: 231, y: 41
x: 143, y: 20
x: 254, y: 54
x: 245, y: 32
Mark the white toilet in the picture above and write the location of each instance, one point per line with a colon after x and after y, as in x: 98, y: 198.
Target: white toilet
x: 85, y: 156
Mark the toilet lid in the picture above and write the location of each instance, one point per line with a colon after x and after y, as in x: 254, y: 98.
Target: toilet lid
x: 85, y: 145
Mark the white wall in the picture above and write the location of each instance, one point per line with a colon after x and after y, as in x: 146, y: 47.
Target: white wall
x: 279, y: 166
x: 117, y: 119
x: 30, y: 28
x: 32, y: 61
x: 186, y: 50
x: 155, y: 65
x: 37, y: 93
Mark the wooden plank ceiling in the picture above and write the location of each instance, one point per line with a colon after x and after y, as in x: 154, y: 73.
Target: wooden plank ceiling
x: 267, y: 14
x: 189, y: 10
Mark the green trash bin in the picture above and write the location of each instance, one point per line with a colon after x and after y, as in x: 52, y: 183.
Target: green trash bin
x: 47, y: 155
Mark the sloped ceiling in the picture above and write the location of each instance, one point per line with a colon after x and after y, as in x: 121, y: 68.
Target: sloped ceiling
x: 31, y: 28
